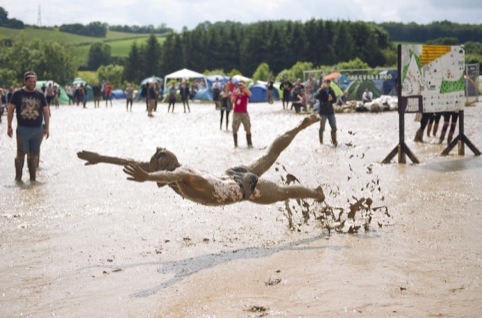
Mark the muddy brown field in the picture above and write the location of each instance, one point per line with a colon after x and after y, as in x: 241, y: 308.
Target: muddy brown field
x: 85, y: 242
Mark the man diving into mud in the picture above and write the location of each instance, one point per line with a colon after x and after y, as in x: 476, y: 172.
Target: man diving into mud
x: 238, y: 184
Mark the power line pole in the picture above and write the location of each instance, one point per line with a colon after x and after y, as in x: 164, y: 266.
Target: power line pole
x: 39, y: 17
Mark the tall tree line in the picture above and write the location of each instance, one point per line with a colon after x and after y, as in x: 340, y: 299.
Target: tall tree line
x: 420, y: 33
x: 281, y: 44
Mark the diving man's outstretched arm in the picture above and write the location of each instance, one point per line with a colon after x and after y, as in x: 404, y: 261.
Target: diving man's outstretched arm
x: 93, y: 158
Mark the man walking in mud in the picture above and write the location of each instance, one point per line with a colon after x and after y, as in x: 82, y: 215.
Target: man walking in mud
x: 238, y: 184
x: 32, y: 110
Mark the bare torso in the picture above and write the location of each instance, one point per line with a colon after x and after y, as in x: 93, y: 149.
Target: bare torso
x: 204, y: 188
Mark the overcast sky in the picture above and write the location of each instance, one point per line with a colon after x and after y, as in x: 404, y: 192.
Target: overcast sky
x: 177, y: 14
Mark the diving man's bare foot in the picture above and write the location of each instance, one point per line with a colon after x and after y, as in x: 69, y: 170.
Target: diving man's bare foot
x: 308, y: 120
x: 321, y: 197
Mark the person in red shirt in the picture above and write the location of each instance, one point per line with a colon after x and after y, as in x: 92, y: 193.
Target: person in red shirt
x: 108, y: 94
x: 231, y: 85
x: 239, y: 99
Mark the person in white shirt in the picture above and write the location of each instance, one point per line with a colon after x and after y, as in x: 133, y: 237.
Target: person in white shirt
x: 367, y: 96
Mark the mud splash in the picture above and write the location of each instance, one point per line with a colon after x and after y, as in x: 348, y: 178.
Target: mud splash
x: 357, y: 216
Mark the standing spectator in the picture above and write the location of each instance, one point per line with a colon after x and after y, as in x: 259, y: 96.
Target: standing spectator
x: 85, y: 95
x: 56, y: 96
x: 231, y: 85
x: 342, y: 99
x: 270, y: 87
x: 11, y: 90
x: 108, y: 94
x: 97, y: 92
x: 429, y: 118
x: 79, y: 93
x: 129, y: 91
x: 144, y: 90
x: 225, y: 106
x: 70, y: 93
x: 449, y: 117
x: 156, y: 88
x: 434, y: 120
x: 102, y: 90
x: 216, y: 94
x: 310, y: 87
x: 194, y: 88
x: 3, y: 102
x: 50, y: 94
x: 327, y: 97
x: 239, y: 99
x: 184, y: 91
x: 172, y: 91
x: 32, y: 109
x: 286, y: 87
x: 367, y: 96
x: 151, y: 98
x: 161, y: 90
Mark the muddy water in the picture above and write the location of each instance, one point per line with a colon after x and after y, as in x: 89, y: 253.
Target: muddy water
x: 84, y: 241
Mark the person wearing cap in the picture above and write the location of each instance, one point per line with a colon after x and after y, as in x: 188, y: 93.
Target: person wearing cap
x: 327, y: 98
x: 32, y: 110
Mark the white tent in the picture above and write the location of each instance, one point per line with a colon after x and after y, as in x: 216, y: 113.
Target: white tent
x: 238, y: 78
x: 184, y: 73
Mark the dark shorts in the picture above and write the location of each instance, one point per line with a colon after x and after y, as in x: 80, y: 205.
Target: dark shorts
x: 246, y: 180
x: 28, y: 139
x: 286, y: 96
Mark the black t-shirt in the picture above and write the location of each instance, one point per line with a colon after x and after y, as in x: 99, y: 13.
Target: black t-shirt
x: 326, y: 107
x: 286, y: 86
x: 270, y: 85
x: 96, y: 90
x: 29, y: 107
x: 151, y: 93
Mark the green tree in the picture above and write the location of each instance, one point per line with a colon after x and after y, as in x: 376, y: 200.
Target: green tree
x: 343, y: 43
x: 99, y: 54
x: 355, y: 64
x: 55, y: 63
x: 49, y: 59
x: 152, y: 57
x: 296, y: 70
x: 133, y: 67
x: 262, y: 72
x: 3, y: 16
x: 444, y: 41
x: 473, y: 48
x: 112, y: 74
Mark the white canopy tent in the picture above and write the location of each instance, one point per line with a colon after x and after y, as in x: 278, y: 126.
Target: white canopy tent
x: 242, y: 78
x: 184, y: 73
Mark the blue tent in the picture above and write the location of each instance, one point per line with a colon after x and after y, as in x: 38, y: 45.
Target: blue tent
x: 212, y: 78
x: 260, y: 93
x: 204, y: 94
x: 118, y: 94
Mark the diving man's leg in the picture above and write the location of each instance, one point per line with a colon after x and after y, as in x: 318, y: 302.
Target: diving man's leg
x: 262, y: 164
x: 268, y: 192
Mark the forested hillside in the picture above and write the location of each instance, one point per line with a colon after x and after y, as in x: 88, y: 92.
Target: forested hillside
x: 224, y: 47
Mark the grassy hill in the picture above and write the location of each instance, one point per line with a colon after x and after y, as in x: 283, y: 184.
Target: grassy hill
x: 120, y: 42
